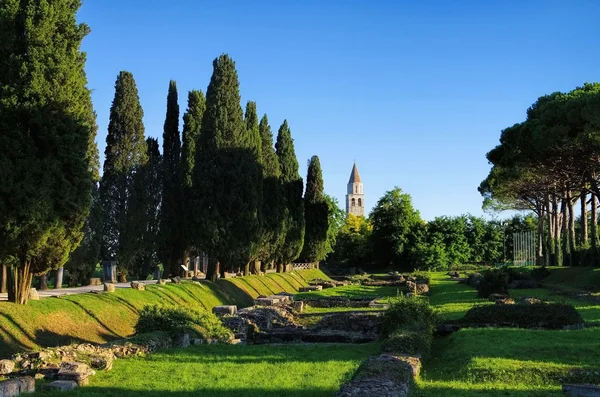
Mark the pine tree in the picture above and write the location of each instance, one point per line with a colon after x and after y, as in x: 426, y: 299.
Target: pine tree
x: 47, y: 123
x: 254, y: 144
x: 192, y: 124
x: 292, y: 187
x: 224, y: 195
x: 272, y: 231
x: 315, y: 214
x: 171, y: 210
x: 125, y: 154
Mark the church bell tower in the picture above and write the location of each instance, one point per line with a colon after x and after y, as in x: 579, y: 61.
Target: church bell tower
x: 355, y: 199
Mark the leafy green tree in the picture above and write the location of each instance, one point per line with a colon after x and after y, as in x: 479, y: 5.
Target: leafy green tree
x: 292, y: 192
x: 224, y: 191
x: 192, y: 124
x: 83, y: 261
x: 171, y: 211
x: 273, y: 205
x: 316, y: 214
x: 125, y: 154
x: 397, y: 229
x: 46, y: 121
x: 336, y: 218
x: 353, y: 247
x: 253, y: 142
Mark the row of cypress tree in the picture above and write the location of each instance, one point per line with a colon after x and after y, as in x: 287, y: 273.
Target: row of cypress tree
x: 225, y: 190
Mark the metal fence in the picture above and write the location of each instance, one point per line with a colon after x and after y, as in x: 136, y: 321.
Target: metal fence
x: 524, y: 245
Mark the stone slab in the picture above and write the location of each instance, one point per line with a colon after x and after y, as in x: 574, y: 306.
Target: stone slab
x: 581, y: 390
x: 60, y: 385
x: 225, y: 309
x: 311, y: 288
x: 16, y: 386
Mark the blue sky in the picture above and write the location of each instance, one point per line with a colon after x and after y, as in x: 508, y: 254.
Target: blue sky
x: 415, y: 91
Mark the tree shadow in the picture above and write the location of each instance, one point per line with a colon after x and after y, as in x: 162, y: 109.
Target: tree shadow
x: 93, y: 316
x: 202, y: 391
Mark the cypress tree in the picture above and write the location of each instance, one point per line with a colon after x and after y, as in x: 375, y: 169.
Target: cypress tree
x: 315, y: 214
x: 272, y: 231
x: 125, y: 154
x: 192, y: 124
x: 47, y: 124
x: 171, y: 210
x: 224, y: 196
x: 292, y: 187
x: 254, y: 144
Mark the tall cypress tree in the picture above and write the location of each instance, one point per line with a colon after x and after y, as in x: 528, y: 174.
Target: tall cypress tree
x: 272, y: 231
x: 47, y: 123
x: 224, y: 193
x: 125, y: 154
x: 292, y: 186
x: 315, y: 214
x: 171, y: 210
x: 254, y: 145
x: 192, y: 126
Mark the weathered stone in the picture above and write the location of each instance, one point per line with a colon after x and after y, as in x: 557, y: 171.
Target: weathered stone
x: 60, y: 385
x: 161, y: 282
x: 225, y: 310
x: 109, y: 287
x: 6, y: 367
x: 531, y: 301
x: 311, y: 288
x: 507, y: 301
x: 33, y: 295
x: 422, y: 289
x: 496, y: 297
x: 183, y: 340
x: 76, y: 372
x: 101, y: 362
x: 411, y: 286
x: 176, y: 280
x: 298, y: 306
x: 95, y: 281
x: 138, y: 286
x: 268, y: 301
x: 16, y: 386
x: 582, y: 390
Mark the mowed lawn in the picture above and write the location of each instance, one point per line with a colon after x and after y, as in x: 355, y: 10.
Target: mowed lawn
x: 506, y: 362
x: 232, y: 370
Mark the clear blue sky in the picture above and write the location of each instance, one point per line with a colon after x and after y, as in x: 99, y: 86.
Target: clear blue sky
x: 415, y: 91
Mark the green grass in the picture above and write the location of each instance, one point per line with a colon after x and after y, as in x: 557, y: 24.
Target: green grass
x: 329, y: 310
x: 451, y: 299
x: 354, y: 291
x: 98, y: 318
x: 574, y: 278
x: 228, y: 371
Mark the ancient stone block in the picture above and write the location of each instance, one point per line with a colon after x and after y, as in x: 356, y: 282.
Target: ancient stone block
x: 76, y: 372
x: 60, y: 385
x: 311, y: 288
x: 137, y: 286
x: 33, y: 295
x: 268, y: 301
x: 161, y: 282
x: 176, y: 280
x: 101, y: 362
x: 6, y: 366
x: 95, y: 281
x: 225, y: 310
x: 298, y: 306
x: 109, y: 287
x: 14, y: 387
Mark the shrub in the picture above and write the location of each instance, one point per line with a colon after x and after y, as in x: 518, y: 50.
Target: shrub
x: 409, y: 341
x: 540, y: 315
x: 408, y: 313
x: 177, y: 321
x: 494, y: 281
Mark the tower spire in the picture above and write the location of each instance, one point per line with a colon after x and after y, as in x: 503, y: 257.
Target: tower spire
x: 355, y: 201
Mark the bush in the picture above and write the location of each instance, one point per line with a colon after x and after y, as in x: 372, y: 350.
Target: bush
x: 541, y: 315
x: 495, y: 281
x: 177, y: 321
x: 413, y: 342
x: 408, y: 313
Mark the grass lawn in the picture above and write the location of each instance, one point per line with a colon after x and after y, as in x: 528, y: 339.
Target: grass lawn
x: 353, y: 291
x: 232, y: 370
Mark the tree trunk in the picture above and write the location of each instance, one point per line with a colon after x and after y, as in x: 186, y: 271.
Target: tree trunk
x: 550, y: 251
x: 44, y: 282
x: 263, y: 266
x: 59, y: 277
x: 539, y: 260
x: 4, y: 280
x: 279, y: 267
x: 247, y: 269
x: 584, y: 219
x: 212, y: 270
x: 565, y: 233
x: 594, y: 228
x: 20, y: 283
x: 573, y: 253
x: 557, y: 232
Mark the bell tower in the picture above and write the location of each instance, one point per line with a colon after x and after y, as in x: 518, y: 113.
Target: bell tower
x: 355, y: 199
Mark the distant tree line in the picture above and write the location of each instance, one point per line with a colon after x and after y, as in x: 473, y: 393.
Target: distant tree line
x: 394, y: 237
x: 550, y: 164
x: 221, y: 187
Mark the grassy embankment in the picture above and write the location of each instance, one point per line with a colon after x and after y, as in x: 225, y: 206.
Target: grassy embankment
x: 99, y: 318
x: 509, y: 362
